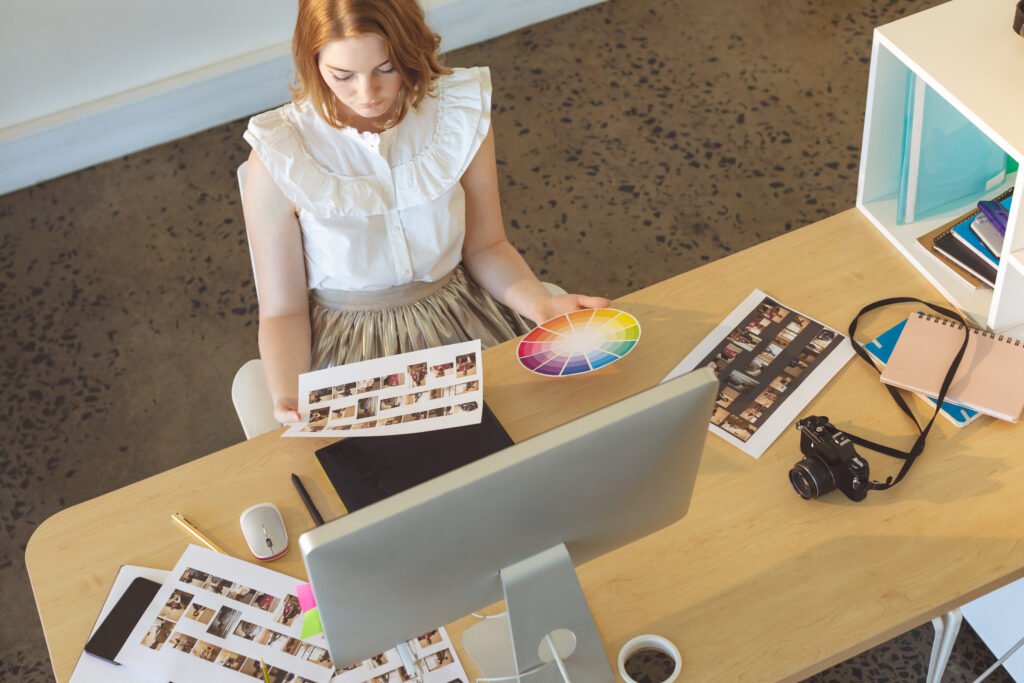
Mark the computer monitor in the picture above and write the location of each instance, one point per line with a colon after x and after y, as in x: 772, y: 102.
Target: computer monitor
x: 512, y: 526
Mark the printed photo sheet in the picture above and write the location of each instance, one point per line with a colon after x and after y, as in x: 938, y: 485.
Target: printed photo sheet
x: 216, y: 617
x: 770, y: 361
x: 435, y: 657
x: 412, y: 392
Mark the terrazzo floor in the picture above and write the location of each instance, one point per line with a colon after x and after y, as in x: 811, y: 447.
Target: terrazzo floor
x: 636, y: 139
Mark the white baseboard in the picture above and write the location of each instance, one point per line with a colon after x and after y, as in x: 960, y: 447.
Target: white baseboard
x: 75, y: 139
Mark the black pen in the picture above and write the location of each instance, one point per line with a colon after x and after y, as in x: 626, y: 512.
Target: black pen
x: 317, y: 519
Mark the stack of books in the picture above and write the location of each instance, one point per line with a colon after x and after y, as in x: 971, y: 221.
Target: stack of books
x: 970, y: 244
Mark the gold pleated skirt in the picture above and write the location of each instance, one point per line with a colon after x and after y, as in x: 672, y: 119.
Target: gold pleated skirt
x: 348, y: 327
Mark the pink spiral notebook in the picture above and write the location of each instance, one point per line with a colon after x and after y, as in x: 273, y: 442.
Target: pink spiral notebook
x: 991, y: 375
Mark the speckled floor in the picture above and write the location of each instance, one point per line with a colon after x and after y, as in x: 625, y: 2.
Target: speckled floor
x: 636, y: 140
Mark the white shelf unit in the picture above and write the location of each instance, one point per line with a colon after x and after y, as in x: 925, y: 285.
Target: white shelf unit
x: 966, y: 51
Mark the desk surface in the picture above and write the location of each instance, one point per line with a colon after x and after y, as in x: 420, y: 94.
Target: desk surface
x: 754, y: 583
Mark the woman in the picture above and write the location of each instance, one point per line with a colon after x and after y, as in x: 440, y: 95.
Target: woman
x: 371, y: 202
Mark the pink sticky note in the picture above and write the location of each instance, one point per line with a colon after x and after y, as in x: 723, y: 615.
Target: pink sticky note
x: 305, y: 594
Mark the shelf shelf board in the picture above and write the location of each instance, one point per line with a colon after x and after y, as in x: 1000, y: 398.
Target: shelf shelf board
x: 1016, y: 260
x: 974, y: 302
x: 942, y: 45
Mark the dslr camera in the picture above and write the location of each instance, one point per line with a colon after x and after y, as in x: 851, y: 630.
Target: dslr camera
x: 829, y: 462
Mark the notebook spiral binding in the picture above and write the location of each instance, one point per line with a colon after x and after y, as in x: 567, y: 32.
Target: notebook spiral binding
x: 975, y: 330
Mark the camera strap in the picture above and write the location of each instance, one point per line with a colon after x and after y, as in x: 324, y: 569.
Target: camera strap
x: 908, y: 457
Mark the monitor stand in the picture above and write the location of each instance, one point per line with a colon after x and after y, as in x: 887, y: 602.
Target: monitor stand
x: 542, y: 596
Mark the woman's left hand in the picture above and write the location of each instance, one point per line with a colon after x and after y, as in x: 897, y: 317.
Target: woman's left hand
x: 546, y: 308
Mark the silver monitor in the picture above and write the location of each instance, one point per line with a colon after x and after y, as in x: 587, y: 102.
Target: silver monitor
x: 512, y: 526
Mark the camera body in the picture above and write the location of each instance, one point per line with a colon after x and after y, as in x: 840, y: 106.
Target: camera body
x: 830, y: 462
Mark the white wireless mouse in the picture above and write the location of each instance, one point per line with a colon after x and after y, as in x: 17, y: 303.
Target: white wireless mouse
x: 263, y: 529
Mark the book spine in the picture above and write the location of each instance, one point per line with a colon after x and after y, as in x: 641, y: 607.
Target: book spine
x: 971, y: 240
x: 973, y: 271
x: 970, y: 246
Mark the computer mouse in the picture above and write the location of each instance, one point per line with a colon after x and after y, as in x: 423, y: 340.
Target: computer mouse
x: 263, y: 529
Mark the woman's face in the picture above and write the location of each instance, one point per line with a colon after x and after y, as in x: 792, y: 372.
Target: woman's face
x: 358, y: 72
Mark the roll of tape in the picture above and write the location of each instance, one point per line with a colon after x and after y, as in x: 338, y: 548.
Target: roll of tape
x: 1018, y: 20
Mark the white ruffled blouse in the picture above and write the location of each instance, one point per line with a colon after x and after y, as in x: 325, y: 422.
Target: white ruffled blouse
x: 379, y: 210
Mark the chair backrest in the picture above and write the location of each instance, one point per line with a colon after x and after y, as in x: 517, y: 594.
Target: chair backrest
x: 249, y: 391
x: 253, y: 402
x: 240, y: 173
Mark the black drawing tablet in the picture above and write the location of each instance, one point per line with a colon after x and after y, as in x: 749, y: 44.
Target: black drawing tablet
x: 366, y: 469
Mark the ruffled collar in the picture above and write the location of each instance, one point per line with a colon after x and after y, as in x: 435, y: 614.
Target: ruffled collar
x: 460, y: 124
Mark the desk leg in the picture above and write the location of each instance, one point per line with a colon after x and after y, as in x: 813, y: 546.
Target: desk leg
x: 946, y: 629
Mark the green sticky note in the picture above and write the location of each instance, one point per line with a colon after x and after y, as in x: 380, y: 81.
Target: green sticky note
x: 311, y: 625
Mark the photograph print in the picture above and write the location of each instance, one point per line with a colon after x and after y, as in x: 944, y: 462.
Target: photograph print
x: 197, y: 612
x: 762, y: 361
x: 223, y: 622
x: 384, y: 395
x: 194, y: 577
x: 417, y: 374
x: 175, y: 605
x: 465, y: 365
x: 182, y: 642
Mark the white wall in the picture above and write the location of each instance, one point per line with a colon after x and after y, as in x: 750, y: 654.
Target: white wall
x: 59, y: 55
x: 83, y: 83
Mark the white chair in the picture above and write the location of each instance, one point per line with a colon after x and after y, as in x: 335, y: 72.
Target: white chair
x: 240, y: 174
x: 249, y: 391
x: 253, y: 403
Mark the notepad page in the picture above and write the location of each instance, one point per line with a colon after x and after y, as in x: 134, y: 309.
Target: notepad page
x: 990, y: 378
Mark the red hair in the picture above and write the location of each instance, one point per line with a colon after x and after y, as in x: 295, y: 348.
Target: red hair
x: 411, y: 47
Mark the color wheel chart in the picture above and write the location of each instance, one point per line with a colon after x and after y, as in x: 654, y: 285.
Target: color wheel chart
x: 578, y: 342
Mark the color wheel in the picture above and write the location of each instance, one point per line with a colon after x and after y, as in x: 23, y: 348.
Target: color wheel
x: 579, y: 342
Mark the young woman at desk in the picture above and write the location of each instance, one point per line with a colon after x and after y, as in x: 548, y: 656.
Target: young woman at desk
x: 371, y: 202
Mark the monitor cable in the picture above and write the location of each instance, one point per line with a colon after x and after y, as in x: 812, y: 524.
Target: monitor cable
x: 517, y: 677
x: 529, y: 672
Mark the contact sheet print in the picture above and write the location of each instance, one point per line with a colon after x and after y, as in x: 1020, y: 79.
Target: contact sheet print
x: 770, y: 361
x: 217, y: 617
x: 418, y: 391
x: 435, y: 656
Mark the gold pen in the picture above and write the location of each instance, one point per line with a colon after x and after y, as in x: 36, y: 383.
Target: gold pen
x: 263, y: 668
x: 189, y: 527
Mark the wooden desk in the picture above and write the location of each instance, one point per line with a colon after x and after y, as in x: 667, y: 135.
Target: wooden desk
x: 754, y: 584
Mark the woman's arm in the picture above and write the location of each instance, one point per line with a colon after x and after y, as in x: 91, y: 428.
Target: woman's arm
x: 492, y: 261
x: 280, y: 268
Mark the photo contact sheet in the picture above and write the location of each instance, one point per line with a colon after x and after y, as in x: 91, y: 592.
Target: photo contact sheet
x: 770, y: 361
x: 218, y: 618
x: 418, y: 391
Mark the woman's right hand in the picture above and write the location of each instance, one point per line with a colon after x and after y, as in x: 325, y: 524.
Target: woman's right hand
x: 286, y: 411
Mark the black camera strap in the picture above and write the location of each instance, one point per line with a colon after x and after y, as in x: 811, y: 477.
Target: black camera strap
x: 908, y: 457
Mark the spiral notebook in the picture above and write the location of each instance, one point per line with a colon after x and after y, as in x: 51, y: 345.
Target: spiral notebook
x: 880, y: 348
x: 956, y: 244
x: 991, y: 375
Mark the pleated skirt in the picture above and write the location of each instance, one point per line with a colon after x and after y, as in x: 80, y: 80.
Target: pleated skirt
x: 348, y: 327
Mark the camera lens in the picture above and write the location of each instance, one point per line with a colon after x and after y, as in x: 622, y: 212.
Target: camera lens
x: 811, y: 478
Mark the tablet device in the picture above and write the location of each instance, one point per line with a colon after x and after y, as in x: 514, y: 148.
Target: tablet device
x: 108, y: 638
x: 366, y: 469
